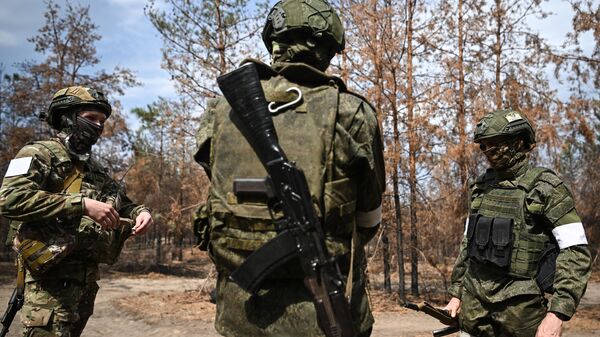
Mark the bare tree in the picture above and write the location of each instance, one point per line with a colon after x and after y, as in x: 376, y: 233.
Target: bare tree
x: 205, y: 39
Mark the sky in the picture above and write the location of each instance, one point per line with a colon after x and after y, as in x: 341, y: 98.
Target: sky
x: 129, y: 40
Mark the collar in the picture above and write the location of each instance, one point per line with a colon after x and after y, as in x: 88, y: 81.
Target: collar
x: 297, y: 72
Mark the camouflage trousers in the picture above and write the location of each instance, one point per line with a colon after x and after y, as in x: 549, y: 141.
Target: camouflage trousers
x: 57, y: 307
x: 518, y: 316
x: 281, y: 308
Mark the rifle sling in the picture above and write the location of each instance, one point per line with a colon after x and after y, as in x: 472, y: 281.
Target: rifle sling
x: 263, y: 261
x: 20, y: 276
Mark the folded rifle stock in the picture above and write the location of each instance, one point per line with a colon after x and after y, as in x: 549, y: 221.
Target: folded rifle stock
x: 441, y: 315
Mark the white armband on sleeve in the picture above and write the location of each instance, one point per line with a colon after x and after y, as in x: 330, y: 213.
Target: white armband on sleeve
x: 570, y: 235
x: 368, y: 219
x: 466, y: 226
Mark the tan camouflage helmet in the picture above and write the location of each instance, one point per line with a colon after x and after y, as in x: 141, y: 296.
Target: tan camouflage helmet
x: 316, y: 17
x: 76, y: 97
x: 504, y: 123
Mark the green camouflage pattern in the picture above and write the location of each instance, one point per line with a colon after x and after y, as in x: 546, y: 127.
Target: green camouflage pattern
x: 333, y: 135
x: 315, y: 17
x: 504, y: 123
x: 57, y: 308
x: 67, y: 99
x: 517, y: 317
x: 35, y: 201
x: 538, y: 201
x: 503, y: 155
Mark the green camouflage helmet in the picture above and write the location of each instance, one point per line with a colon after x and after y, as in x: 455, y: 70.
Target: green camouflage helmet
x: 67, y: 99
x: 504, y: 123
x: 314, y: 16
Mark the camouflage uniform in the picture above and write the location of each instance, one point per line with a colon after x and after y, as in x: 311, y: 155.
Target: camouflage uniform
x: 59, y: 301
x: 507, y: 301
x: 333, y: 135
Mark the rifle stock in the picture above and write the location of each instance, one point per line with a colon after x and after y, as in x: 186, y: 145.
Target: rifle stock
x: 300, y: 224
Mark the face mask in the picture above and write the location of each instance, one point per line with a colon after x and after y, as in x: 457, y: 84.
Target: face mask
x: 503, y: 155
x: 85, y: 134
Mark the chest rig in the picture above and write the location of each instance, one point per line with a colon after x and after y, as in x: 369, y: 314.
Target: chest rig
x: 241, y: 224
x: 501, y: 231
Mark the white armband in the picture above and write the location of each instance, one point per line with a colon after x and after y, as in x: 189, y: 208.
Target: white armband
x: 368, y: 219
x: 570, y: 235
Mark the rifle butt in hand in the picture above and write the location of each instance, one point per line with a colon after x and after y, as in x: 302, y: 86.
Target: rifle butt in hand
x: 443, y: 316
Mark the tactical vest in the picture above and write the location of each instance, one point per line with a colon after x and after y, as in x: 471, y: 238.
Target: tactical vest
x: 306, y: 134
x: 492, y: 203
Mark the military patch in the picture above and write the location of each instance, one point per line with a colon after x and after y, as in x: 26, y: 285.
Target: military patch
x: 277, y: 17
x: 513, y: 116
x: 18, y: 166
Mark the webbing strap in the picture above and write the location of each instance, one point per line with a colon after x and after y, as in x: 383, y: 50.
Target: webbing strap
x: 72, y: 184
x: 528, y: 180
x: 20, y: 276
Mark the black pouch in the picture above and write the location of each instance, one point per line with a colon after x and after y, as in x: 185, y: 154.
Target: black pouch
x: 478, y: 236
x: 473, y: 218
x: 501, y: 249
x: 547, y: 268
x: 482, y: 232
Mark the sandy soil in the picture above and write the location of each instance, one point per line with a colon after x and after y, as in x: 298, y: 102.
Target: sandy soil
x: 158, y: 305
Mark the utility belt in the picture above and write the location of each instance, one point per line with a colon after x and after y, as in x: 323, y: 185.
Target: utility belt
x: 43, y: 246
x: 491, y: 242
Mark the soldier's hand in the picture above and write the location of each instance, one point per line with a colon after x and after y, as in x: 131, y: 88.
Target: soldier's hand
x: 103, y: 214
x: 551, y: 326
x: 453, y: 307
x: 142, y: 223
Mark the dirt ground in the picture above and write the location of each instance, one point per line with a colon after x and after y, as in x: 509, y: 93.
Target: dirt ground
x: 155, y: 304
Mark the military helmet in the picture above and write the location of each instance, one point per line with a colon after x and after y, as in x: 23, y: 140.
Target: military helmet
x: 504, y: 123
x: 67, y: 99
x: 316, y: 17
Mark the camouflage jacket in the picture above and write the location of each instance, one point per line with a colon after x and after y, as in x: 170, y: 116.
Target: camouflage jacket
x: 34, y: 195
x: 549, y: 211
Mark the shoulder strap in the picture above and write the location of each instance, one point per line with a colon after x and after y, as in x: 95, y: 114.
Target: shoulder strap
x: 527, y: 181
x: 72, y: 182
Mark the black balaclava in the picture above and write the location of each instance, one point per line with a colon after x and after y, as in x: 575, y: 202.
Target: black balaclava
x: 81, y: 133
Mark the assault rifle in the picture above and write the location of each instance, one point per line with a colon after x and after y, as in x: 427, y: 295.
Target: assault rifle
x: 14, y: 304
x: 299, y: 231
x: 441, y: 315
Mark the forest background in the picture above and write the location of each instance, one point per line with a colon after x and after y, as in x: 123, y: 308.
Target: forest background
x: 430, y: 68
